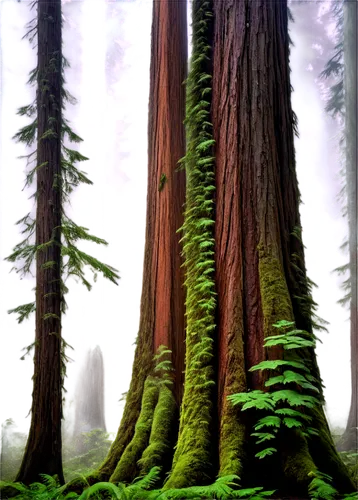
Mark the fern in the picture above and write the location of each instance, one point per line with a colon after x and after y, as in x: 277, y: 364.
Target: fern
x: 298, y: 376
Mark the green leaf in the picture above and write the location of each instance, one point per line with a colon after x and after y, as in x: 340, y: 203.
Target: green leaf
x: 23, y: 311
x: 269, y: 421
x: 263, y: 436
x: 293, y: 413
x: 203, y: 146
x: 266, y: 452
x: 292, y: 422
x: 274, y: 364
x: 295, y: 399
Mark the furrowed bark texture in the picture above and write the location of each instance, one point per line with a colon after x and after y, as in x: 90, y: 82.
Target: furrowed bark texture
x: 260, y: 271
x: 349, y: 440
x: 162, y: 303
x: 43, y: 449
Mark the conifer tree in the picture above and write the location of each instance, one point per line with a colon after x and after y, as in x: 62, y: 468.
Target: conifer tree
x: 54, y: 250
x: 342, y: 103
x: 245, y: 276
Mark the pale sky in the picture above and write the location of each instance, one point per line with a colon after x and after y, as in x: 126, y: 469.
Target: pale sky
x: 111, y: 117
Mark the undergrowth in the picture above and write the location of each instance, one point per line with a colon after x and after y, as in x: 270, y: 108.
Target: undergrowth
x: 289, y: 407
x: 96, y: 444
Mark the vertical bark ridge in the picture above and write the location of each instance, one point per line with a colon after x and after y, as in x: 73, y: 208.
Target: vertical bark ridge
x: 227, y: 56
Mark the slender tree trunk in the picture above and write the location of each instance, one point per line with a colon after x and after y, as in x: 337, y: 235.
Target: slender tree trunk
x: 349, y: 440
x: 162, y: 304
x: 43, y: 452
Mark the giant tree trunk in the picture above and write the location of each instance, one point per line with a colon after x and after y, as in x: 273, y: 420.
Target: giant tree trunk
x: 244, y: 261
x: 349, y: 440
x: 43, y: 453
x: 162, y: 304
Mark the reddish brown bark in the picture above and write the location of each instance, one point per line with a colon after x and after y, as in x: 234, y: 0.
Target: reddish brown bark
x: 166, y: 195
x: 162, y: 303
x: 246, y: 101
x: 256, y: 211
x: 43, y: 454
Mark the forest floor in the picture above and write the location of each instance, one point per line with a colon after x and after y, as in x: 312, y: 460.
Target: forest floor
x: 94, y: 450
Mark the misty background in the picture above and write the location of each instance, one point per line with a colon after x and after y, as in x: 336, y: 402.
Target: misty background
x: 108, y: 46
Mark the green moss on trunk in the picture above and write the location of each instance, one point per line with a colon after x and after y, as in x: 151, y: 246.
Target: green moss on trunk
x: 159, y: 450
x: 275, y: 298
x: 193, y: 455
x: 127, y: 467
x: 232, y: 421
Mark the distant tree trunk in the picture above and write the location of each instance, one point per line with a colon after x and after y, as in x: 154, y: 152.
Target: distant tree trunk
x: 162, y: 304
x: 89, y: 409
x: 349, y: 440
x: 43, y: 452
x: 238, y: 91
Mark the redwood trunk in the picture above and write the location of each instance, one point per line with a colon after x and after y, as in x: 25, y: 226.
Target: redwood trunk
x: 260, y: 269
x: 43, y: 454
x: 162, y: 303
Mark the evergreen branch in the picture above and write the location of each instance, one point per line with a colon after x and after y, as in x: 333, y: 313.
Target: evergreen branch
x: 23, y: 311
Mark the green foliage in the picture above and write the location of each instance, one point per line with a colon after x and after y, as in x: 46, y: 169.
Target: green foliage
x: 127, y: 466
x: 24, y: 254
x: 141, y: 488
x: 224, y: 488
x: 298, y: 376
x: 303, y: 394
x: 71, y: 177
x: 192, y: 454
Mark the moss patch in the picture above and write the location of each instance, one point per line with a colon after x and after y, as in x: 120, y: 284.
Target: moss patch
x: 160, y: 441
x: 232, y: 439
x: 275, y: 297
x: 191, y: 464
x: 127, y: 468
x: 232, y: 425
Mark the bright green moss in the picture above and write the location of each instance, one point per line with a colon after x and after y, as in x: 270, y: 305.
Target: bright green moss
x: 191, y: 464
x: 232, y: 440
x: 232, y: 426
x: 275, y: 297
x: 127, y: 469
x: 160, y: 441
